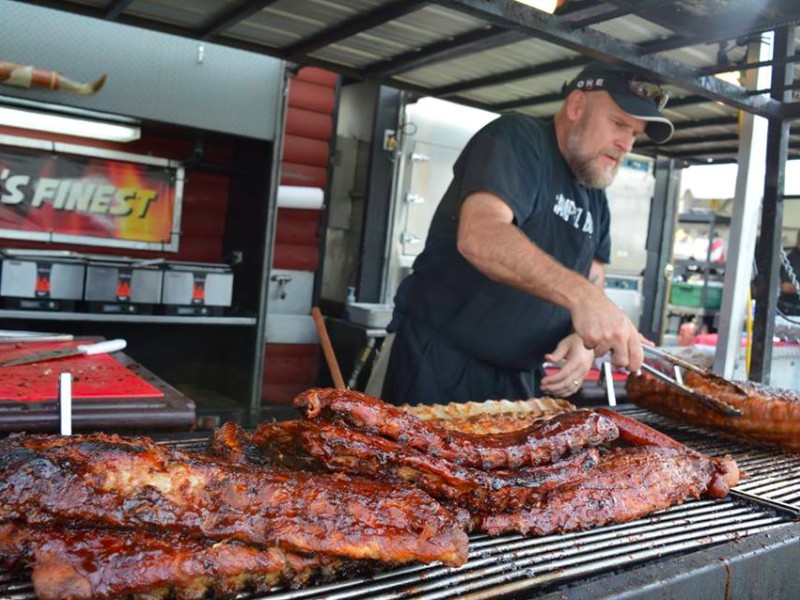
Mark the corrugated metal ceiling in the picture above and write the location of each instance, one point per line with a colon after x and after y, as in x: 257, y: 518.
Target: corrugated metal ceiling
x: 496, y: 54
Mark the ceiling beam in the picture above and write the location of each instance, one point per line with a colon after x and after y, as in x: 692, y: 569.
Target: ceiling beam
x: 679, y: 41
x: 707, y: 139
x: 229, y: 17
x: 604, y: 47
x: 359, y: 24
x: 719, y: 150
x: 522, y: 73
x: 526, y: 102
x: 715, y: 122
x: 621, y: 9
x: 791, y: 110
x: 724, y: 68
x: 464, y: 44
x: 116, y: 8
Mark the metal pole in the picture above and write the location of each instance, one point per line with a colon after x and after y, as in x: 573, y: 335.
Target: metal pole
x: 743, y: 230
x: 772, y: 213
x: 742, y: 236
x: 377, y: 207
x: 660, y: 233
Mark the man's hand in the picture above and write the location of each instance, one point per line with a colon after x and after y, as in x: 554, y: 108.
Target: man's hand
x: 576, y: 361
x: 605, y: 328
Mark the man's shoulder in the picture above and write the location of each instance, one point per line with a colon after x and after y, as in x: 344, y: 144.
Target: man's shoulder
x: 518, y: 122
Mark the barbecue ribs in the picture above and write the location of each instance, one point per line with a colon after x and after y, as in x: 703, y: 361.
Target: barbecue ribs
x: 627, y: 484
x: 768, y: 414
x: 133, y: 483
x: 100, y: 564
x: 489, y: 416
x: 540, y: 443
x: 343, y: 449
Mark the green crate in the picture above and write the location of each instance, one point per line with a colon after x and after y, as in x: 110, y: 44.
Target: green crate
x: 691, y: 294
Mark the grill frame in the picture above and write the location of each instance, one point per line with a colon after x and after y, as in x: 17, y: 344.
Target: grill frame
x: 743, y: 547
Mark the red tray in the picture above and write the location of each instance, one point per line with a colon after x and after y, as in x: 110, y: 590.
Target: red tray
x: 98, y: 376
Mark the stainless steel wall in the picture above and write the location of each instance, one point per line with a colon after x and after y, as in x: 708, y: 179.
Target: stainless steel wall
x: 151, y: 75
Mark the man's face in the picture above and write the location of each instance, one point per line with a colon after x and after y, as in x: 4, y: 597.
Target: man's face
x: 599, y: 139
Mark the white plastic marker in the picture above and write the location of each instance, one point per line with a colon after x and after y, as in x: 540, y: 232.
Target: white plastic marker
x: 609, y: 380
x: 65, y: 403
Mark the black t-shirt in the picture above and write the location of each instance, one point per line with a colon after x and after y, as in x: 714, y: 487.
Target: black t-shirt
x: 790, y: 303
x: 516, y: 158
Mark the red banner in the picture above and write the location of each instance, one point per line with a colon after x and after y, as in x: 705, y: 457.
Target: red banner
x: 58, y: 195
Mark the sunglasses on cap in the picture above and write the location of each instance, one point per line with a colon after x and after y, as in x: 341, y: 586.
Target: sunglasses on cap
x: 649, y: 90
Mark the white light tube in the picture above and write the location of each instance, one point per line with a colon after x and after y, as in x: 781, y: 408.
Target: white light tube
x: 115, y: 132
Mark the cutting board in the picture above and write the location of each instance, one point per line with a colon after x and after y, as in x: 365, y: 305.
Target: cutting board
x: 98, y: 376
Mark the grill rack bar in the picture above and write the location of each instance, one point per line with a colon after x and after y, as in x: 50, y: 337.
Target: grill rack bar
x: 507, y: 565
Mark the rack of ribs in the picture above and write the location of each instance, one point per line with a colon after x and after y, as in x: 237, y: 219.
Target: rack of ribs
x: 99, y: 564
x: 627, y: 484
x: 769, y: 415
x: 132, y: 483
x: 541, y: 443
x: 343, y: 449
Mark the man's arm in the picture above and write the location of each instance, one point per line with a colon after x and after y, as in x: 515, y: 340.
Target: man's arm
x: 488, y: 239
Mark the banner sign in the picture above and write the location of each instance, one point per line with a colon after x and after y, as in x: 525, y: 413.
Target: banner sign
x: 86, y: 195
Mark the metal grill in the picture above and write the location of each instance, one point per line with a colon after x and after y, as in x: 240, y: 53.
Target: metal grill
x: 507, y: 566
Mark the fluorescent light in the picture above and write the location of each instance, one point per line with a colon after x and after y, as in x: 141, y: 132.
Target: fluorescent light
x: 39, y: 121
x: 548, y: 6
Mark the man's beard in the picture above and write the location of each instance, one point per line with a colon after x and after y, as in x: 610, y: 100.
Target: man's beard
x: 585, y: 166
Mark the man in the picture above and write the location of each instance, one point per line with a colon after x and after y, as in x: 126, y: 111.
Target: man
x: 512, y: 270
x: 789, y: 301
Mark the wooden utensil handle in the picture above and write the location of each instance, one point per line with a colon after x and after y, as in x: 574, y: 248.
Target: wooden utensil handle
x: 327, y: 349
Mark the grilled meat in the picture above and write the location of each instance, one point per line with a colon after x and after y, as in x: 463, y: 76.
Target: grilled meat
x: 488, y: 424
x: 132, y: 483
x: 273, y: 444
x: 637, y: 433
x: 233, y: 444
x: 343, y: 449
x: 283, y: 445
x: 102, y: 564
x: 543, y: 442
x: 768, y: 414
x: 627, y: 484
x: 490, y: 416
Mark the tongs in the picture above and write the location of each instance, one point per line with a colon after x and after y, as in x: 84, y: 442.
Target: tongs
x: 710, y: 402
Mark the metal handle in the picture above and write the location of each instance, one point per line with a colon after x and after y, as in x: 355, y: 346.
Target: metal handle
x: 103, y: 347
x: 671, y: 358
x: 714, y: 404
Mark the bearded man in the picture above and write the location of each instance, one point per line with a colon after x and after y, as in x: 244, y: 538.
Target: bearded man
x: 512, y: 273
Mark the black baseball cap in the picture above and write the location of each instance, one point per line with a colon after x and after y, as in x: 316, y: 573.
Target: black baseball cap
x: 637, y: 95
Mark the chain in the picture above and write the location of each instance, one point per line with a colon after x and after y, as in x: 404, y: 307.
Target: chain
x: 787, y: 265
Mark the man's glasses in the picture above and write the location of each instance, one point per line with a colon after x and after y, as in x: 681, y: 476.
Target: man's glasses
x: 649, y: 90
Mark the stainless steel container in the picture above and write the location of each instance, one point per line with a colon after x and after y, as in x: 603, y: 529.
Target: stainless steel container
x: 40, y: 279
x: 122, y: 284
x: 196, y: 288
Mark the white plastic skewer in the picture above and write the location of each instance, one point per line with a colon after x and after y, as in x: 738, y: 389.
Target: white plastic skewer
x: 609, y: 377
x: 65, y: 403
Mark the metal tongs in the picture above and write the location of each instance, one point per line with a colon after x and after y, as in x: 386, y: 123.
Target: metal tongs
x: 677, y: 363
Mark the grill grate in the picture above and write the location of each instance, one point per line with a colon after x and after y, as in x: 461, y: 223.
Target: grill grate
x: 509, y: 565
